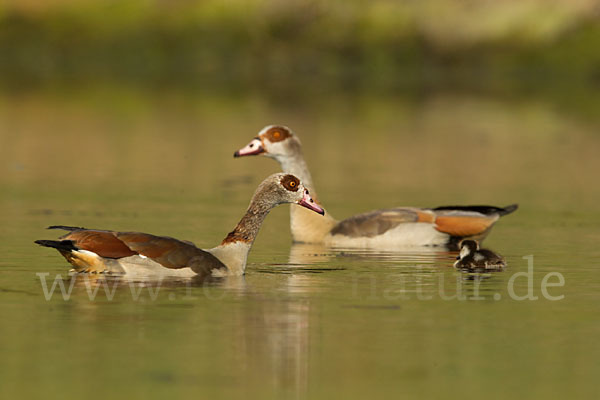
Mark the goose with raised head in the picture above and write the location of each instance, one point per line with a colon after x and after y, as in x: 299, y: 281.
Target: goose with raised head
x: 386, y: 228
x: 146, y: 255
x: 473, y: 259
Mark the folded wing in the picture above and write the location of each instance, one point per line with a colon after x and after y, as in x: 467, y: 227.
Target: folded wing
x: 169, y: 252
x: 456, y: 221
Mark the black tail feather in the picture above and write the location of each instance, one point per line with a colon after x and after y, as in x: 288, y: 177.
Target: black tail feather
x: 64, y: 245
x: 66, y: 228
x: 482, y: 209
x: 509, y: 209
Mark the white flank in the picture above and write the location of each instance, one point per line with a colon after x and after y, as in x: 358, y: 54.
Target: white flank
x: 144, y: 267
x: 404, y: 235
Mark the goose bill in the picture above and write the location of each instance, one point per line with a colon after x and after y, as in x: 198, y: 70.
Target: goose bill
x: 253, y: 148
x: 309, y: 203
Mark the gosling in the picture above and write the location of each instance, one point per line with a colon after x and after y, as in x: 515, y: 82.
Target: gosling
x: 472, y: 258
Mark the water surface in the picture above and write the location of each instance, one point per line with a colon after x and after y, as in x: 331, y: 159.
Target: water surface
x: 305, y: 321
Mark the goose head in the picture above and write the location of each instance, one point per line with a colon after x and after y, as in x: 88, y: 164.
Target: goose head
x: 286, y: 188
x: 467, y: 247
x: 275, y: 141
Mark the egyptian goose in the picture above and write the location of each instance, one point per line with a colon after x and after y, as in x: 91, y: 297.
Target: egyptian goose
x: 142, y: 254
x: 473, y: 259
x: 388, y: 228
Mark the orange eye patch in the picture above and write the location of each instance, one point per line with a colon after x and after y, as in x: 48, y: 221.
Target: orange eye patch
x: 277, y: 134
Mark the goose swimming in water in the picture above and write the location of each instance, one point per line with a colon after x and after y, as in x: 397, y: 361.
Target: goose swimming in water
x: 143, y: 254
x: 472, y: 258
x: 386, y: 228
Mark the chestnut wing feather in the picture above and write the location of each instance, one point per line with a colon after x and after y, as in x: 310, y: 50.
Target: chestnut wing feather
x: 103, y: 243
x: 170, y: 252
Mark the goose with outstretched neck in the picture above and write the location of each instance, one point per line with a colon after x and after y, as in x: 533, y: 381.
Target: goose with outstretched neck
x: 386, y: 228
x: 146, y: 255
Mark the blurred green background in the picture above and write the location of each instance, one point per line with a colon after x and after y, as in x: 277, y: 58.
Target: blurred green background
x: 273, y: 45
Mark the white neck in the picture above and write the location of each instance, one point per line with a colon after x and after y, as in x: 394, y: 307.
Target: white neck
x: 233, y: 255
x: 306, y: 226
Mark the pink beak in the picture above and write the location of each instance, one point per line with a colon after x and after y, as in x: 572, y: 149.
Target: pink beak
x: 253, y: 148
x: 309, y: 203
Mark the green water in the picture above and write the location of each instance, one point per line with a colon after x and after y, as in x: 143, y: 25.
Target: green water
x: 305, y: 321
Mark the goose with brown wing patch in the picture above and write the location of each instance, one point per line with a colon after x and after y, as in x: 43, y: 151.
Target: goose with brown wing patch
x: 387, y: 228
x: 145, y: 255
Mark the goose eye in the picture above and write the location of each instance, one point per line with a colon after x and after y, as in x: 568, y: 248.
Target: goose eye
x: 291, y: 183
